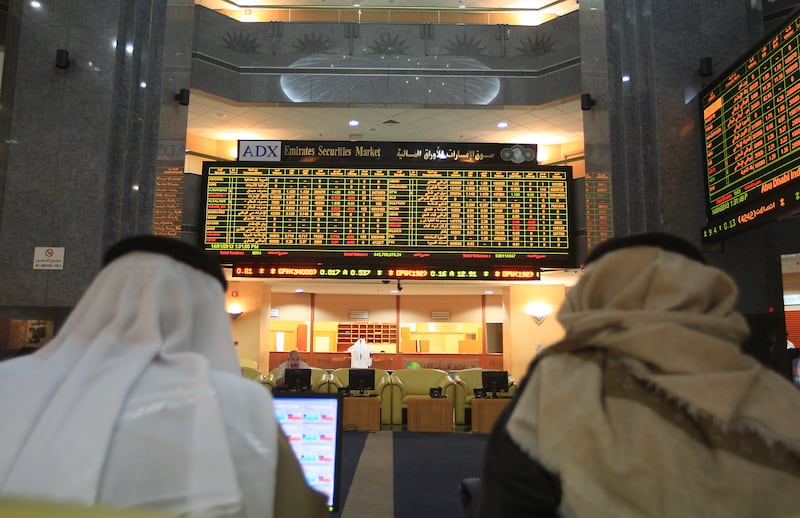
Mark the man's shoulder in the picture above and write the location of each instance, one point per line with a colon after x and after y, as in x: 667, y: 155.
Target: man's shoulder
x: 234, y: 385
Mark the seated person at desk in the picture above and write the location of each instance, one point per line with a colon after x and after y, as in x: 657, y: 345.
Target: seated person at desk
x: 293, y: 362
x: 139, y: 400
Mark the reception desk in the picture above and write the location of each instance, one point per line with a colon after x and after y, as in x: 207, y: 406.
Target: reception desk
x: 388, y: 361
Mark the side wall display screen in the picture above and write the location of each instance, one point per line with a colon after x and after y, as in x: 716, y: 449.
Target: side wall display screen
x: 751, y: 118
x: 322, y: 218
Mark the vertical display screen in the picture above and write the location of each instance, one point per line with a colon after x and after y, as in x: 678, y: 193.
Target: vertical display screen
x: 752, y: 136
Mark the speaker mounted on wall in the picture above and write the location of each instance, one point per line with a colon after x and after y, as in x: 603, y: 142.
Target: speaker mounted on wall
x: 183, y: 97
x: 587, y: 102
x: 706, y: 67
x: 62, y: 58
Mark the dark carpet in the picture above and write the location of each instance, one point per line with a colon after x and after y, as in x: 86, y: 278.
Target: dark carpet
x: 428, y: 467
x: 352, y: 446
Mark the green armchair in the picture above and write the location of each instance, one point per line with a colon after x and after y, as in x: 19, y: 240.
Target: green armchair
x: 466, y: 380
x: 36, y: 507
x: 416, y: 383
x: 256, y: 375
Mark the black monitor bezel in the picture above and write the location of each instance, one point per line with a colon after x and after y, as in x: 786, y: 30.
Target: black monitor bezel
x: 487, y: 376
x: 303, y: 375
x: 359, y: 375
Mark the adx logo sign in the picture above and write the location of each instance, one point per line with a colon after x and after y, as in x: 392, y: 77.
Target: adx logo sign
x: 260, y: 150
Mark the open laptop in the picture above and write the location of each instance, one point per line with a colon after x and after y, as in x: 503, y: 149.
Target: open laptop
x: 313, y: 424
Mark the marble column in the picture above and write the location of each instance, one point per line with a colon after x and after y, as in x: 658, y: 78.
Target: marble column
x: 640, y: 62
x: 79, y: 142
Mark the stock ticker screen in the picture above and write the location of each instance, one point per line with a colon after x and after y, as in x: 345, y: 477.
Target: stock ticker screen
x: 312, y: 220
x: 751, y: 117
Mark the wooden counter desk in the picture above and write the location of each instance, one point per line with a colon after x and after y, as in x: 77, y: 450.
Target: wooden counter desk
x: 393, y: 361
x: 485, y: 412
x: 361, y: 413
x: 430, y: 415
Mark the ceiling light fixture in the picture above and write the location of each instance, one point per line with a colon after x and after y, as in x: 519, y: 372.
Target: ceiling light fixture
x: 353, y: 122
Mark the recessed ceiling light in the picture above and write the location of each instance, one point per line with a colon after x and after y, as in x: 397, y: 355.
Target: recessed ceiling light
x: 502, y: 124
x: 299, y: 290
x: 353, y: 122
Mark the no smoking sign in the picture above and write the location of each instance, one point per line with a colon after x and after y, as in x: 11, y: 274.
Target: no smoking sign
x: 48, y: 258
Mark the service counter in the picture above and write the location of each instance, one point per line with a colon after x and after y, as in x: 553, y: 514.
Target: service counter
x: 396, y: 361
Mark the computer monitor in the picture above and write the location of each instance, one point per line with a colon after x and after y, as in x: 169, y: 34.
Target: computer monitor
x: 494, y: 382
x: 297, y: 379
x: 361, y: 380
x: 312, y: 422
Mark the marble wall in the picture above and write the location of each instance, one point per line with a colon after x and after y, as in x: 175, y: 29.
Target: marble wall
x: 79, y: 143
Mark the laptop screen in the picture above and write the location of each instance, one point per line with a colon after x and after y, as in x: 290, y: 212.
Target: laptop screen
x: 313, y: 424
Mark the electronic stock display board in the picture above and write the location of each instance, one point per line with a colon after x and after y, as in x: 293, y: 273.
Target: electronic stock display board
x: 389, y: 210
x: 751, y: 117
